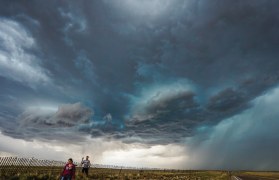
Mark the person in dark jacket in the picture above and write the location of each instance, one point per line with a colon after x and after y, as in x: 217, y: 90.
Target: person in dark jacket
x: 69, y: 171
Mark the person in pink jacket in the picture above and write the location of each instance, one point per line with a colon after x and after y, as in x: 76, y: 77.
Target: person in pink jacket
x: 69, y: 171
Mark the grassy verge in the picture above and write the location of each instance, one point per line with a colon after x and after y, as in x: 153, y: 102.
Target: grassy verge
x: 117, y: 174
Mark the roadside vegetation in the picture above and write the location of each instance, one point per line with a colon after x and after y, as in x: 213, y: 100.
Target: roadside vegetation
x: 121, y: 174
x: 15, y: 168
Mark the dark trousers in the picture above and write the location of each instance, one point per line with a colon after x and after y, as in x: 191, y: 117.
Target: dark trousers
x: 85, y: 170
x: 67, y: 177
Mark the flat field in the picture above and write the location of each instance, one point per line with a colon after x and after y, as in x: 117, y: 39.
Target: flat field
x: 47, y: 173
x: 257, y: 175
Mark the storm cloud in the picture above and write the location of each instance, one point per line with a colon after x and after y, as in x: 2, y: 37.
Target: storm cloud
x: 151, y: 72
x: 66, y: 115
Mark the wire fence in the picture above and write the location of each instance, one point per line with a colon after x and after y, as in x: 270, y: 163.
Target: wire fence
x: 33, y: 168
x: 15, y: 165
x: 20, y: 165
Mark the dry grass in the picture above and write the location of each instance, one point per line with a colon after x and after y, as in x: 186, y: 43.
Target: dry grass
x: 41, y: 173
x: 118, y: 174
x: 268, y: 174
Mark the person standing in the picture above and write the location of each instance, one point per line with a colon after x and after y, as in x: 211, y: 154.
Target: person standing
x: 85, y: 165
x: 69, y: 170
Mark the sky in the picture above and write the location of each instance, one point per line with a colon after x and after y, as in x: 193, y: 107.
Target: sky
x: 185, y: 84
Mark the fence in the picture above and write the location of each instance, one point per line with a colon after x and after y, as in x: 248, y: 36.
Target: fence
x: 16, y: 165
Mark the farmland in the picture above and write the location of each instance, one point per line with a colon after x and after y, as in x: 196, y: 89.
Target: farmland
x: 14, y: 168
x: 257, y: 175
x: 30, y: 168
x: 112, y: 174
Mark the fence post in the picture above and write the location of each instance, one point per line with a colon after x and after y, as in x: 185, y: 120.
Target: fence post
x: 119, y: 172
x: 51, y: 168
x: 8, y: 162
x: 29, y: 165
x: 1, y: 167
x: 21, y: 165
x: 6, y: 167
x: 13, y: 167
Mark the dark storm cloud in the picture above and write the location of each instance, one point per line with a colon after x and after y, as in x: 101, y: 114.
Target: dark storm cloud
x: 110, y: 59
x: 50, y: 124
x: 222, y: 46
x: 16, y: 45
x: 66, y: 116
x: 226, y: 100
x: 175, y: 117
x: 246, y: 141
x: 168, y: 117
